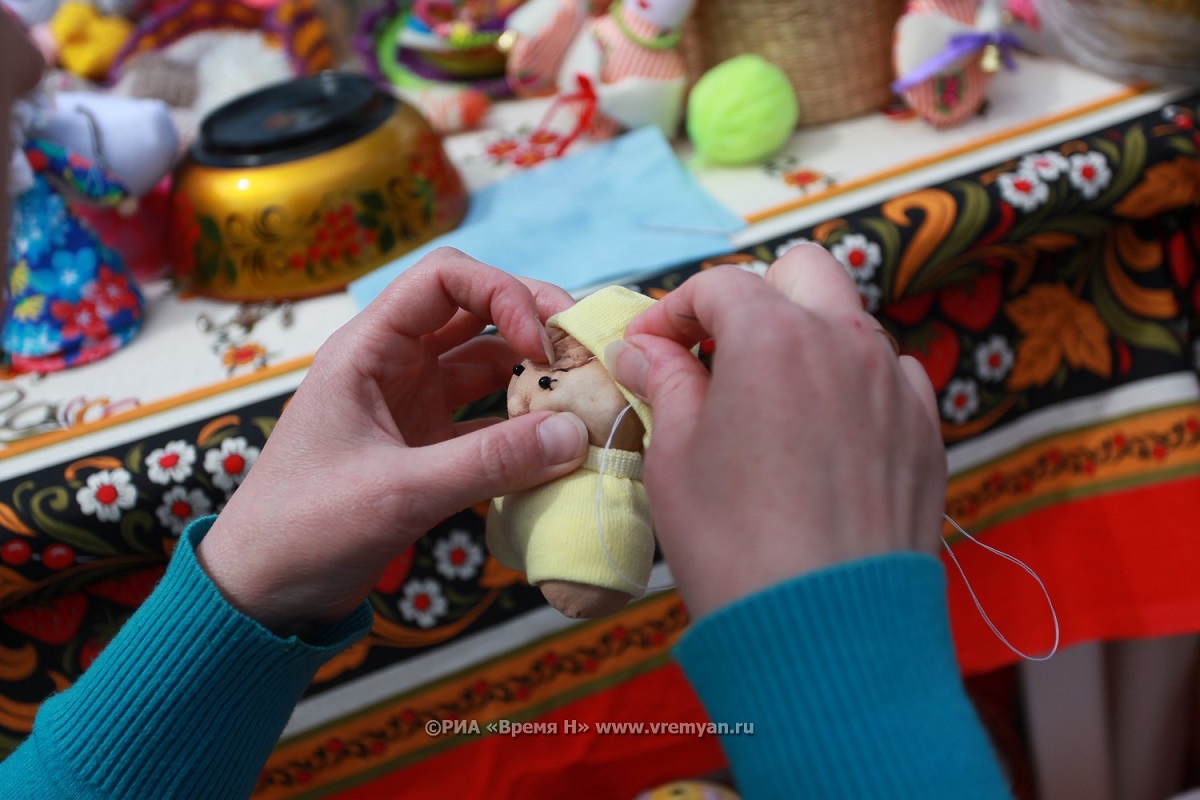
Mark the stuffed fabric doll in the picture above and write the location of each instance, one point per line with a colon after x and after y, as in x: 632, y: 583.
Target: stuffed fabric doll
x: 586, y: 540
x: 947, y: 52
x: 543, y: 30
x: 136, y: 141
x: 70, y: 299
x: 627, y: 59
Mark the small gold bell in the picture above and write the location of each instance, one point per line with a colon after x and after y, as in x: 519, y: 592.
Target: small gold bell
x: 990, y: 60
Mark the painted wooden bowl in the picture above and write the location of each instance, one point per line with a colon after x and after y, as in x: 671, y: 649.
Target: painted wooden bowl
x: 300, y: 188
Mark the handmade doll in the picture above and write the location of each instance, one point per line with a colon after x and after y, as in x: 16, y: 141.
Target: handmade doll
x: 539, y: 34
x: 946, y: 54
x: 70, y: 299
x: 136, y: 142
x: 626, y: 62
x: 586, y: 540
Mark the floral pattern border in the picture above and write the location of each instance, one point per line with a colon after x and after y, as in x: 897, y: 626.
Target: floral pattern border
x: 403, y: 730
x: 1050, y: 276
x: 1046, y: 277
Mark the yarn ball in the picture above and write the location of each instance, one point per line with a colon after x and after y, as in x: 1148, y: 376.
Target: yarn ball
x: 741, y: 111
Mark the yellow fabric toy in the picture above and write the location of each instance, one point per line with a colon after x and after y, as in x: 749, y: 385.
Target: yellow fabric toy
x: 88, y: 41
x: 586, y: 565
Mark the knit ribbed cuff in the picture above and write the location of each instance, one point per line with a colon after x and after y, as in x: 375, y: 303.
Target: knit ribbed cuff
x: 850, y: 679
x: 188, y: 700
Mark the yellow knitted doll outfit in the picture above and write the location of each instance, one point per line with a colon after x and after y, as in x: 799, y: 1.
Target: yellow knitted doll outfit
x: 553, y: 532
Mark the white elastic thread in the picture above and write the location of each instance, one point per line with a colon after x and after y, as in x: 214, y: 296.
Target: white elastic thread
x: 979, y: 606
x: 612, y: 564
x: 975, y: 598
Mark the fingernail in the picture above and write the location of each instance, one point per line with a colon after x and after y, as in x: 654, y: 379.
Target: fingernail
x: 549, y: 348
x: 563, y: 437
x: 629, y: 366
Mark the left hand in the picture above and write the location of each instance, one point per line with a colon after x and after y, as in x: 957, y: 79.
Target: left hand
x: 21, y: 63
x: 366, y: 458
x: 21, y: 67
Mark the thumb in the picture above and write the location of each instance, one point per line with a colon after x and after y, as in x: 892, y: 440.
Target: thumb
x: 663, y: 372
x: 918, y: 378
x: 509, y: 456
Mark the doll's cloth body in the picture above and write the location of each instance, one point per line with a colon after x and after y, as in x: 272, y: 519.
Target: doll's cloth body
x: 556, y: 532
x: 70, y: 299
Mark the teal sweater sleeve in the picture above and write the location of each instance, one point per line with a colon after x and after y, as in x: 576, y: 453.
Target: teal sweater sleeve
x: 187, y: 701
x: 850, y: 680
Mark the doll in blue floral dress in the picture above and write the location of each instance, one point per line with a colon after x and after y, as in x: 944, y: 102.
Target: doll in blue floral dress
x: 70, y: 299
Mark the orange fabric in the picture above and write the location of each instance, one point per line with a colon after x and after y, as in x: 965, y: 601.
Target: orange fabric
x: 580, y: 766
x: 1105, y: 583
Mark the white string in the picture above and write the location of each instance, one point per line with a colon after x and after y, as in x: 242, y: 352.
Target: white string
x: 975, y: 598
x: 979, y: 606
x: 600, y: 513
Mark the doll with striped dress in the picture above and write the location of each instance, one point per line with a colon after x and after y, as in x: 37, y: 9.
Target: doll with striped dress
x: 947, y: 52
x: 626, y: 60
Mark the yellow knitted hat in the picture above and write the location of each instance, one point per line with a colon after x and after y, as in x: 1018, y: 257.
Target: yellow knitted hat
x: 600, y: 319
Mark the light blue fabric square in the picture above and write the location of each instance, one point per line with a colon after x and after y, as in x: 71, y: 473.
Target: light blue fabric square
x: 619, y: 209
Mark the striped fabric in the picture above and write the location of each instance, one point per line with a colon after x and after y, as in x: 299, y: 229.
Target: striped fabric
x: 534, y: 61
x: 624, y: 58
x: 961, y: 10
x: 954, y: 97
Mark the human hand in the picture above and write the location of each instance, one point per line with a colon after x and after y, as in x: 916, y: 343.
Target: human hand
x: 21, y: 67
x: 810, y: 443
x: 366, y: 458
x: 21, y: 63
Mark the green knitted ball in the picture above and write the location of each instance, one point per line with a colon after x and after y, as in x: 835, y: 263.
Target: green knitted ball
x: 741, y: 111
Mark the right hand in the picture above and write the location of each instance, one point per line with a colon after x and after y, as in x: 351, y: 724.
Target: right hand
x: 21, y: 67
x: 810, y: 443
x: 21, y: 63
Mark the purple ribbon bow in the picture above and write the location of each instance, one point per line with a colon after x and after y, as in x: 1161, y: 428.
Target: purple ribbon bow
x: 960, y: 46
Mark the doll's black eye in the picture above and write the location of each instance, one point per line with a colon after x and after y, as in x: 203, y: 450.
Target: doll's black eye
x: 545, y: 381
x: 518, y: 369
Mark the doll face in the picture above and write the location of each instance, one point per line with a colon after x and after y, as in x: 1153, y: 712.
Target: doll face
x: 575, y: 382
x: 588, y: 391
x: 667, y: 14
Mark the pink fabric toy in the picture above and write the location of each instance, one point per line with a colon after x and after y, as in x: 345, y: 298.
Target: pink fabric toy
x: 625, y: 63
x: 538, y: 51
x: 1025, y: 11
x: 946, y: 54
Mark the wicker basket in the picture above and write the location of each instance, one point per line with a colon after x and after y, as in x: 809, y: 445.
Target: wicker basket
x: 1130, y: 40
x: 837, y: 53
